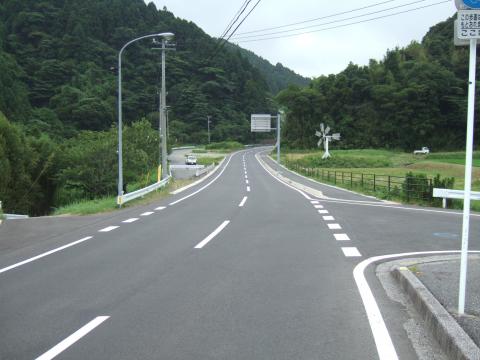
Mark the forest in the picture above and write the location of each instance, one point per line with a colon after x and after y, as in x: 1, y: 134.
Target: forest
x: 58, y: 95
x: 415, y: 96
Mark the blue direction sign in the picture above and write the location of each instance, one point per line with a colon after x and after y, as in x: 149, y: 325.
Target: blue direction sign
x: 473, y: 4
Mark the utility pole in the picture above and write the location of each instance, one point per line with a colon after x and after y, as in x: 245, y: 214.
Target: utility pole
x: 208, y: 127
x: 163, y: 109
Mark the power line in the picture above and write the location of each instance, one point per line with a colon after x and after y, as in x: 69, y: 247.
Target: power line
x: 330, y: 22
x: 320, y: 18
x: 233, y: 32
x: 348, y: 24
x: 235, y: 18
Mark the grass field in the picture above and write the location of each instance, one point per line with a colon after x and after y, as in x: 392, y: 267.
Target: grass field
x: 393, y: 163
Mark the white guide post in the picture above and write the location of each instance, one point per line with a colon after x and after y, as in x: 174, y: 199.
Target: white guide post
x: 468, y: 176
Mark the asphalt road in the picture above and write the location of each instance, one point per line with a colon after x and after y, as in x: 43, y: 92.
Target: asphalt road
x: 225, y: 270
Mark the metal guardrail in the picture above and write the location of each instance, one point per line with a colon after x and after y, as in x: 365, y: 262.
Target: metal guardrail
x: 206, y: 169
x: 142, y: 192
x: 184, y: 148
x: 15, y: 216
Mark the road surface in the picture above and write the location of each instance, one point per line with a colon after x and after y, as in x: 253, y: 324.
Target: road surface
x: 241, y: 266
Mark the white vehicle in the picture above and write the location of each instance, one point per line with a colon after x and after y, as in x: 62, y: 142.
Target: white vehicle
x: 190, y: 160
x: 425, y: 150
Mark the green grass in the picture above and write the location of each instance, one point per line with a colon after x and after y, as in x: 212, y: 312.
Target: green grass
x: 209, y: 160
x: 109, y: 203
x: 224, y: 146
x: 390, y: 163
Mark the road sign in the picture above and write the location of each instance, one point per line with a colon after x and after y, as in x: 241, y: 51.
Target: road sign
x: 261, y: 123
x: 456, y: 40
x: 468, y: 26
x: 467, y: 4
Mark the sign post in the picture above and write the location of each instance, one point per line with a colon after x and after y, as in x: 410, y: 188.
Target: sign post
x: 263, y: 123
x: 468, y: 28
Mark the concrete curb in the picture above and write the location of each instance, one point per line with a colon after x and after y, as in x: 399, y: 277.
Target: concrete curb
x: 453, y: 340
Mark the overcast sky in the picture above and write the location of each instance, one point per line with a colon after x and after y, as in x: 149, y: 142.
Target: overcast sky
x: 323, y: 52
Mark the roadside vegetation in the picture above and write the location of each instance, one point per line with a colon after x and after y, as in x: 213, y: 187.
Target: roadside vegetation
x: 402, y: 171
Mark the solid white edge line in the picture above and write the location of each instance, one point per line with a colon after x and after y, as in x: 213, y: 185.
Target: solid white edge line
x: 108, y: 228
x: 5, y: 269
x: 72, y: 339
x: 347, y: 202
x: 207, y: 185
x: 244, y: 200
x: 129, y: 221
x: 383, y: 342
x: 205, y: 241
x: 200, y: 180
x: 280, y: 181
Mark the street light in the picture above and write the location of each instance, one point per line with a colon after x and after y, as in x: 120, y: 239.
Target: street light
x: 166, y: 35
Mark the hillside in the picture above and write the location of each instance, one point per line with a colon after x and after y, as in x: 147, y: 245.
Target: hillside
x: 278, y: 77
x: 415, y: 96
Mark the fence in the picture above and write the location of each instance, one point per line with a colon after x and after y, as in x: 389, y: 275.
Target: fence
x: 416, y: 187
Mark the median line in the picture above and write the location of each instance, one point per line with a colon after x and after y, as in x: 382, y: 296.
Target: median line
x: 244, y: 200
x: 72, y: 339
x: 205, y: 241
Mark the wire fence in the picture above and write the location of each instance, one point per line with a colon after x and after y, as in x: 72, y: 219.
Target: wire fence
x: 409, y: 188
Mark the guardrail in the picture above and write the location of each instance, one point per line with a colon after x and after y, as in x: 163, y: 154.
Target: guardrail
x: 184, y: 148
x: 15, y: 216
x: 206, y: 169
x: 142, y: 192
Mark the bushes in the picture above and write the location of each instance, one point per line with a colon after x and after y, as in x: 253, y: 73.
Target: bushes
x: 344, y: 162
x: 225, y: 145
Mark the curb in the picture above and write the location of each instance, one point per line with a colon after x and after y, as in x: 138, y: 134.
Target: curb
x: 453, y: 340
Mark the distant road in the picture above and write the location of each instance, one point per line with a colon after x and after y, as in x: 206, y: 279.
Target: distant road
x: 240, y: 266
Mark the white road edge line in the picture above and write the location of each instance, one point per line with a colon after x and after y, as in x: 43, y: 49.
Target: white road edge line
x: 205, y: 241
x: 280, y: 181
x: 207, y: 185
x: 108, y: 228
x: 383, y: 342
x: 131, y: 220
x: 72, y: 339
x: 244, y: 200
x: 5, y: 269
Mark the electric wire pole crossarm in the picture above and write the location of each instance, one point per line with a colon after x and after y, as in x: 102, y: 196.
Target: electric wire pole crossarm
x: 120, y: 118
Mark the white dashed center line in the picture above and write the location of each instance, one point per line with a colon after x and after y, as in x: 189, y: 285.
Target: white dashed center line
x: 351, y: 252
x: 246, y: 181
x: 315, y: 202
x: 341, y: 237
x: 205, y: 241
x: 328, y: 218
x: 72, y: 339
x: 323, y: 211
x: 244, y: 200
x: 108, y: 228
x: 318, y: 206
x: 248, y: 188
x: 147, y: 213
x: 160, y: 208
x: 334, y: 226
x: 128, y: 221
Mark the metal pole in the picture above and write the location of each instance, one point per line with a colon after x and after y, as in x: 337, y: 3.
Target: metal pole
x: 278, y: 137
x: 208, y: 127
x: 120, y: 145
x: 162, y: 116
x: 159, y: 174
x: 468, y: 176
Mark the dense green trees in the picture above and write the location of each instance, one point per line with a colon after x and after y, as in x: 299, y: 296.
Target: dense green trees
x: 415, y: 97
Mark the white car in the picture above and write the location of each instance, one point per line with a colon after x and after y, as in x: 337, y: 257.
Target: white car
x: 425, y: 150
x: 190, y: 160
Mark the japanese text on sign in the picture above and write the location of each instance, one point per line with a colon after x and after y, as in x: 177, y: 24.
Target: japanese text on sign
x: 468, y: 24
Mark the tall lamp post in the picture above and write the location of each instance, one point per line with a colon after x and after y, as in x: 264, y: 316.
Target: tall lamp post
x: 120, y: 125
